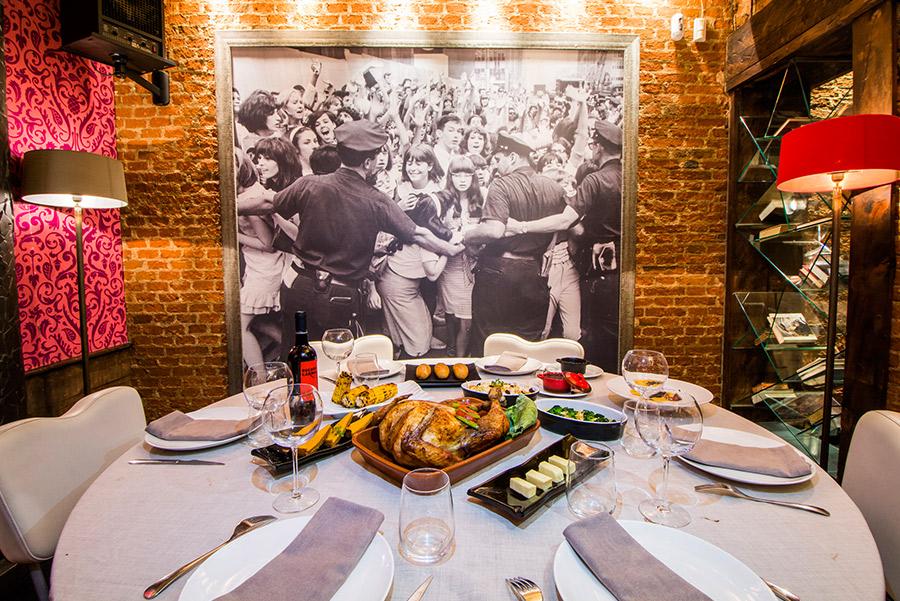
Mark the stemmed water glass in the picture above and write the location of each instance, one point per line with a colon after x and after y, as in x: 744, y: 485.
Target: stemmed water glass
x: 259, y: 380
x: 291, y: 422
x: 645, y: 371
x: 671, y: 428
x: 337, y: 344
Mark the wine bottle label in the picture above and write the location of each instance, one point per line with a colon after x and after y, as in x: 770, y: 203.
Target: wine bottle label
x: 309, y: 373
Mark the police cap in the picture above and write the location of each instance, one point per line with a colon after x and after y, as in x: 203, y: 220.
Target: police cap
x: 604, y: 131
x: 510, y: 143
x: 361, y: 135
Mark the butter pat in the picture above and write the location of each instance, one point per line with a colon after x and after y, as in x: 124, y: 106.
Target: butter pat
x: 526, y: 489
x: 565, y: 465
x: 550, y: 470
x: 538, y: 479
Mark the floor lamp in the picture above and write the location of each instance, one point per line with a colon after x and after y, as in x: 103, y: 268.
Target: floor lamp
x: 77, y: 180
x: 833, y: 155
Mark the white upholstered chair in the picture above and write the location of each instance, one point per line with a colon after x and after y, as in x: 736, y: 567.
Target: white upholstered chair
x: 47, y: 464
x: 872, y: 480
x: 545, y: 351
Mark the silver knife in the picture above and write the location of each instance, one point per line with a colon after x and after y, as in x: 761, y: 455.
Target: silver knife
x: 173, y: 462
x: 420, y: 592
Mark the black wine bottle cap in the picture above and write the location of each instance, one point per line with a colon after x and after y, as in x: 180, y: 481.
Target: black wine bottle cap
x: 300, y: 322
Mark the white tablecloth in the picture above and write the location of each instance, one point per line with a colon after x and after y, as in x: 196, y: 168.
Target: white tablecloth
x: 138, y: 522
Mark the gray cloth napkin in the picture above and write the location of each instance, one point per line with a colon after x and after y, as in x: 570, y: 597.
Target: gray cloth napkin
x: 509, y: 361
x: 178, y: 426
x: 316, y: 564
x: 624, y: 567
x: 782, y: 461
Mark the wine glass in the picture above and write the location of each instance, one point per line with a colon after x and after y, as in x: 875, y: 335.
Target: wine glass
x: 645, y: 371
x: 291, y: 422
x: 671, y: 428
x: 337, y: 344
x: 259, y: 380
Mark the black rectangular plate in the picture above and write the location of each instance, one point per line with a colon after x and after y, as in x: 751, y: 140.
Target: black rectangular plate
x: 497, y: 494
x: 433, y: 382
x: 279, y: 458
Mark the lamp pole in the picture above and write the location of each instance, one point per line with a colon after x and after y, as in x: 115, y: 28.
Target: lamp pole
x: 82, y: 308
x: 837, y: 202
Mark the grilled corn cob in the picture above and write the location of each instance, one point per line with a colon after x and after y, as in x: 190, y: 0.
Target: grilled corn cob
x: 349, y: 398
x: 376, y: 395
x: 341, y: 386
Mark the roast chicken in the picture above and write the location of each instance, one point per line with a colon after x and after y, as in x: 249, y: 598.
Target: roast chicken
x: 426, y: 434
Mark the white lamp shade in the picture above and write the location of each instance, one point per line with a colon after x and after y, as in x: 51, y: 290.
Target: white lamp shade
x: 66, y: 178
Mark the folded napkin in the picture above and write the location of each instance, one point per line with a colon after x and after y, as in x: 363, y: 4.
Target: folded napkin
x: 624, y: 567
x: 178, y: 426
x: 782, y: 461
x: 509, y: 361
x: 316, y: 564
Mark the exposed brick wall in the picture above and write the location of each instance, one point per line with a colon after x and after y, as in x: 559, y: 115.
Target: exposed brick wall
x: 171, y: 229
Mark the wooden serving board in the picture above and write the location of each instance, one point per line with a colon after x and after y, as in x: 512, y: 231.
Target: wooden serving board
x: 366, y: 442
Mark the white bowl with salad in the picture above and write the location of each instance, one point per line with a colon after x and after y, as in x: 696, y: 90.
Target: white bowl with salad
x: 581, y: 419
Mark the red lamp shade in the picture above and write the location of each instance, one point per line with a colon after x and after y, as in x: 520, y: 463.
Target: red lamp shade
x: 865, y: 148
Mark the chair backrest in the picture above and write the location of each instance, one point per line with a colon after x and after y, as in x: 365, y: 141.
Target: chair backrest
x: 46, y: 464
x: 379, y: 344
x: 872, y: 480
x: 546, y: 351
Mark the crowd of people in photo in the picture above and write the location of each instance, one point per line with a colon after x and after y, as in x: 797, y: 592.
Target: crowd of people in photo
x: 443, y: 156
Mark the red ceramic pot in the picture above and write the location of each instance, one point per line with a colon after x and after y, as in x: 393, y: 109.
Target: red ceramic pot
x: 554, y: 381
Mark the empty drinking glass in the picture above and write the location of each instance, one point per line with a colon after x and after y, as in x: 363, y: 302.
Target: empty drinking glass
x: 632, y: 442
x: 259, y: 380
x: 337, y: 344
x: 591, y: 481
x: 291, y: 422
x: 426, y: 516
x: 672, y: 428
x: 366, y: 368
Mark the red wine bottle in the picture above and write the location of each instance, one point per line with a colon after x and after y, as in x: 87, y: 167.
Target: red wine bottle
x: 302, y: 357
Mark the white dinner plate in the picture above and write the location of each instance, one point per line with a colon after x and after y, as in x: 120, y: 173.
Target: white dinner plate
x: 563, y: 395
x: 531, y: 366
x: 232, y: 413
x: 236, y: 562
x: 747, y: 439
x: 619, y: 386
x: 338, y: 410
x: 714, y: 572
x: 591, y: 371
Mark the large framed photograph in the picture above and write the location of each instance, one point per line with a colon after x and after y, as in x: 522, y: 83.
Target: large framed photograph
x: 432, y: 187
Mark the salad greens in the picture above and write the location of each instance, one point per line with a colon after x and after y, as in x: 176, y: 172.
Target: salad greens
x: 521, y: 416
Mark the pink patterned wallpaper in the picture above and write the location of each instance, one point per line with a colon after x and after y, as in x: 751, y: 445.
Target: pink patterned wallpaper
x: 56, y: 100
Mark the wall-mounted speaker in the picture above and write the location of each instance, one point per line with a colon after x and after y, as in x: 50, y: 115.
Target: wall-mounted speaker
x: 109, y: 31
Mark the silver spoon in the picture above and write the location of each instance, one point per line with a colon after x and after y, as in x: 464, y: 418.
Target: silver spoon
x: 245, y: 526
x: 727, y: 489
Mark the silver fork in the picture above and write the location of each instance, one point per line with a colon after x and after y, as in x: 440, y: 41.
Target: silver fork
x: 524, y: 589
x: 727, y: 489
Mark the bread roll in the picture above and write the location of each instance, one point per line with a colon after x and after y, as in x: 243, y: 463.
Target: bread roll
x: 441, y: 371
x: 423, y: 372
x: 461, y: 371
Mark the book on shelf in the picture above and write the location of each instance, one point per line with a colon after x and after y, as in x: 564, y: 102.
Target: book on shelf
x: 803, y: 410
x: 807, y: 276
x: 779, y: 204
x: 791, y: 328
x: 781, y: 228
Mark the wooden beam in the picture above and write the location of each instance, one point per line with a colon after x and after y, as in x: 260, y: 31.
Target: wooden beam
x: 872, y: 233
x: 783, y: 30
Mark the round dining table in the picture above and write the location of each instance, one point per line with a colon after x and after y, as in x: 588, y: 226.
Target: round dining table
x: 137, y: 523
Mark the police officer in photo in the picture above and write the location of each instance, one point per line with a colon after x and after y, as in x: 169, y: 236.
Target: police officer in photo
x: 511, y: 294
x: 340, y: 216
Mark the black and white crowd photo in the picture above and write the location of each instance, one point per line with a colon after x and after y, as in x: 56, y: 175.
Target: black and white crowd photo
x: 433, y: 195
